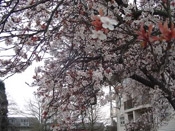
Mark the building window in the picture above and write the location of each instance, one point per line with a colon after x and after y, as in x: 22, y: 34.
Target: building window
x: 122, y: 120
x: 128, y: 104
x: 11, y: 121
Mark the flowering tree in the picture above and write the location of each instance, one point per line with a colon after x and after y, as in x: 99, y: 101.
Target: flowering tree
x: 90, y: 43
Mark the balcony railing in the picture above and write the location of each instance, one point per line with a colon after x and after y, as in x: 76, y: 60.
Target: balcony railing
x: 135, y: 102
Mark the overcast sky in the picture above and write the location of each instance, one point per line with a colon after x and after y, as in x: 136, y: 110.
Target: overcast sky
x: 18, y: 90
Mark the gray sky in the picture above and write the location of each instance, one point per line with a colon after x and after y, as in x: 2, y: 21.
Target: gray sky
x: 16, y: 88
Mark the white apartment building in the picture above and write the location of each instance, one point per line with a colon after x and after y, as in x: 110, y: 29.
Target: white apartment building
x: 130, y: 108
x: 129, y: 113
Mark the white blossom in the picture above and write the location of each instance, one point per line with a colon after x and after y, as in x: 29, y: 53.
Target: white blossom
x: 108, y: 23
x: 98, y: 35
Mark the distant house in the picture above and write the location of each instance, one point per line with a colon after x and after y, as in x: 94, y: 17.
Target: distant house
x: 22, y: 123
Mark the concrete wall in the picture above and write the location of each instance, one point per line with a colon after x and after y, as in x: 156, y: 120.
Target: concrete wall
x: 169, y: 127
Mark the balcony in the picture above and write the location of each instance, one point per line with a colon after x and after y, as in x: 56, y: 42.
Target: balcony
x: 136, y: 102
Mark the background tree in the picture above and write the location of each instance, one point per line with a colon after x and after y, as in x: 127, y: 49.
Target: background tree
x: 3, y: 108
x: 92, y: 119
x: 34, y: 108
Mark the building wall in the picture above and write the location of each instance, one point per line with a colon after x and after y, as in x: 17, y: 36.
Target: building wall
x: 131, y: 114
x: 169, y: 127
x: 21, y: 123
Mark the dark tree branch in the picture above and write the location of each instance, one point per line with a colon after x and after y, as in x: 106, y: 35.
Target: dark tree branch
x: 142, y: 80
x: 152, y: 82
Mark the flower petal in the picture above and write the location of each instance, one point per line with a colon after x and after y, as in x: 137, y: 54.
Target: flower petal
x: 104, y: 19
x: 101, y: 12
x: 161, y: 27
x: 94, y: 36
x: 155, y: 38
x: 113, y: 22
x: 102, y: 37
x: 111, y: 27
x: 150, y: 29
x: 142, y: 30
x: 165, y: 26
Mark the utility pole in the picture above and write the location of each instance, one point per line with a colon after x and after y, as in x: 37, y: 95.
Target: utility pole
x: 111, y: 108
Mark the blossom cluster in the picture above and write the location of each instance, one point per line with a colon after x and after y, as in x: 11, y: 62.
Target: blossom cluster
x: 87, y: 45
